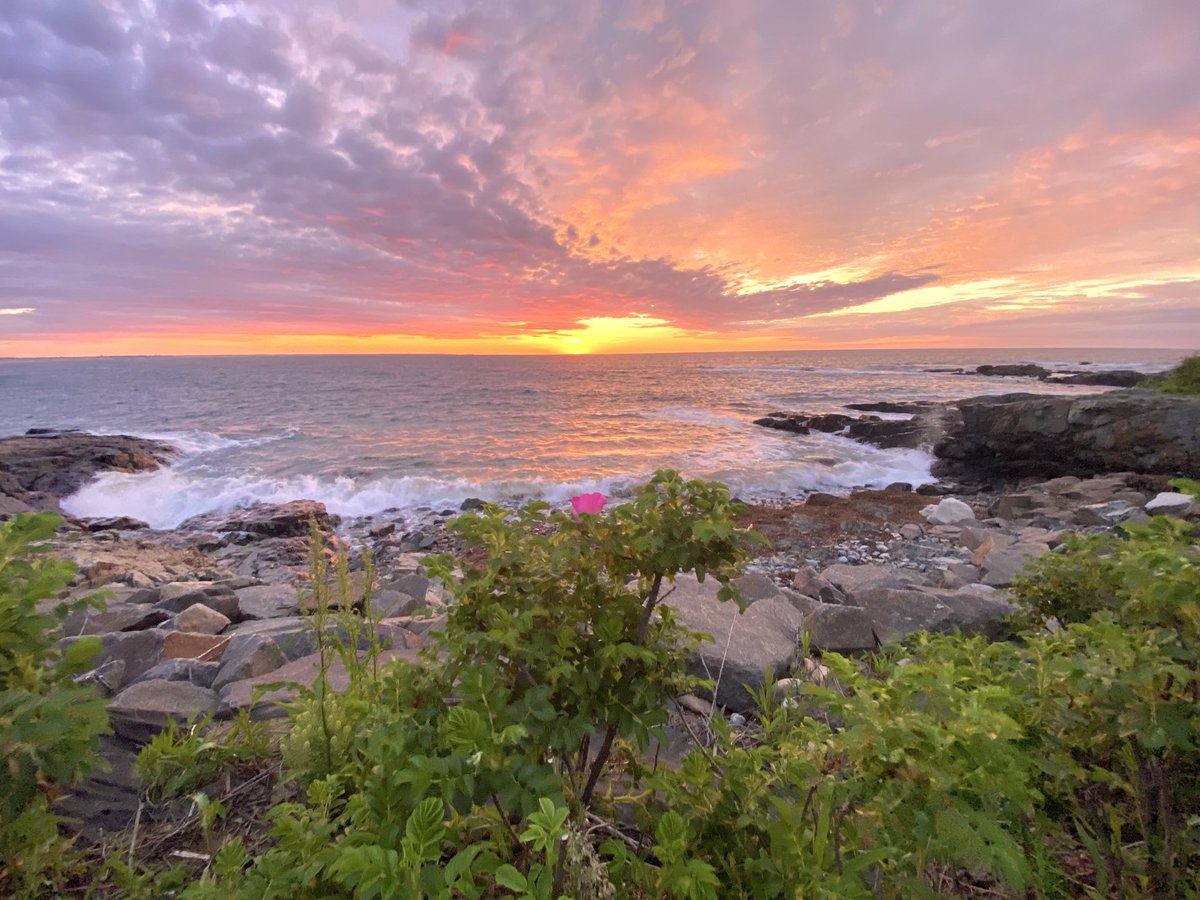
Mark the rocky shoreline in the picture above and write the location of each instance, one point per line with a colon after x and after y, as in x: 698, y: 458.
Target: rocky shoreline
x: 200, y: 616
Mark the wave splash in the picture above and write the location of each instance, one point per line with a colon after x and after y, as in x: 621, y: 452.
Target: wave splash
x: 167, y: 497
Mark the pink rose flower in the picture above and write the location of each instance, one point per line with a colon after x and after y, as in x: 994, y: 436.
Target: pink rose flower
x: 587, y: 503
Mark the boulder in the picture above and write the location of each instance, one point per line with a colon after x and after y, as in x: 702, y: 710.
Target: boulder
x: 1016, y: 506
x: 851, y: 580
x: 991, y: 543
x: 971, y: 537
x: 1123, y: 378
x: 974, y: 609
x: 999, y: 567
x: 188, y: 645
x: 840, y: 629
x: 198, y: 618
x: 1169, y: 503
x: 245, y: 693
x: 179, y: 595
x: 193, y: 671
x: 268, y: 520
x: 267, y: 601
x: 143, y: 709
x: 113, y: 523
x: 811, y: 583
x: 414, y: 584
x: 391, y: 604
x: 745, y: 646
x: 246, y: 656
x: 948, y: 511
x: 756, y: 586
x: 137, y: 651
x: 115, y: 617
x: 295, y: 636
x: 1107, y: 514
x: 106, y: 678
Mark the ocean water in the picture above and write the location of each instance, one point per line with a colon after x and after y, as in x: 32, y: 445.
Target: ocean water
x: 404, y: 435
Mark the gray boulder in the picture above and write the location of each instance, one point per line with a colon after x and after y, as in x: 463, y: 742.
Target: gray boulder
x: 851, y: 580
x: 192, y: 671
x: 974, y: 609
x: 949, y: 511
x: 179, y: 595
x: 1106, y: 514
x: 267, y: 601
x: 1170, y: 503
x: 247, y: 694
x: 999, y: 567
x: 115, y: 617
x: 37, y: 470
x: 136, y: 650
x: 199, y: 619
x: 246, y: 656
x: 756, y: 586
x: 809, y: 582
x: 840, y: 629
x: 143, y: 709
x: 745, y: 646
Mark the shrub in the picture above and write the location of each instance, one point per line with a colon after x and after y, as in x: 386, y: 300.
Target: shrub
x: 1183, y: 379
x: 476, y: 772
x: 49, y: 727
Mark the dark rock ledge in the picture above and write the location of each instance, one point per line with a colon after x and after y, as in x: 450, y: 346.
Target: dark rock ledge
x: 41, y: 467
x: 1120, y: 378
x: 994, y: 440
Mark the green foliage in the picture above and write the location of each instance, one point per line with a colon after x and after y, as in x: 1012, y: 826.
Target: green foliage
x: 503, y: 765
x: 1071, y: 584
x: 1183, y: 379
x: 49, y: 727
x: 1186, y: 486
x: 472, y: 773
x: 179, y: 760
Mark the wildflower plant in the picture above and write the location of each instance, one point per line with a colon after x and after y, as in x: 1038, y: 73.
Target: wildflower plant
x: 564, y: 616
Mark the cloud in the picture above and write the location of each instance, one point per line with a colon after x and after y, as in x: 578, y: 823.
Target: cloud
x: 435, y: 169
x: 15, y: 310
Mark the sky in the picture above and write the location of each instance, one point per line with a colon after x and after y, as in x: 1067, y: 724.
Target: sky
x: 538, y: 176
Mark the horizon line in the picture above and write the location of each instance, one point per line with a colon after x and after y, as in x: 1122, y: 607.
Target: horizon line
x: 1185, y: 350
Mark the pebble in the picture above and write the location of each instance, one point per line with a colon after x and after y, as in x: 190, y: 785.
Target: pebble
x: 737, y: 720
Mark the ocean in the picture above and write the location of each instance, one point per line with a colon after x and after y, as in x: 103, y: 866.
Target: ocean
x: 410, y: 435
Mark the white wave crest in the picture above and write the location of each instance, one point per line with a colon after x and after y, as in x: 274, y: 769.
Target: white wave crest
x: 167, y: 497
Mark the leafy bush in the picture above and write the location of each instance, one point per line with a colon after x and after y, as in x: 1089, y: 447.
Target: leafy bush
x: 477, y: 770
x: 1183, y: 379
x: 49, y: 727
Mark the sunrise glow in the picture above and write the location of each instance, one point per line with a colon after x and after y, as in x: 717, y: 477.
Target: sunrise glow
x: 588, y: 178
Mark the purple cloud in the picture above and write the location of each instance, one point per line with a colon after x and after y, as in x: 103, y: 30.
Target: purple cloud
x: 419, y: 168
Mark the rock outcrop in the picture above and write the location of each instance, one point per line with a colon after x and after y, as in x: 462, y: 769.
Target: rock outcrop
x: 281, y: 520
x: 40, y: 468
x: 922, y: 429
x: 1022, y: 435
x: 1007, y: 437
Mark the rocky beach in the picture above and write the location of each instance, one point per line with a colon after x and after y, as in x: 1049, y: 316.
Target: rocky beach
x: 198, y: 617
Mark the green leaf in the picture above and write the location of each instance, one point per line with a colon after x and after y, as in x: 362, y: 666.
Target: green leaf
x: 507, y: 876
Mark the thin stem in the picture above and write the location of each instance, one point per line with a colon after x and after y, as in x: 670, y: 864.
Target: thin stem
x: 504, y: 818
x: 611, y: 732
